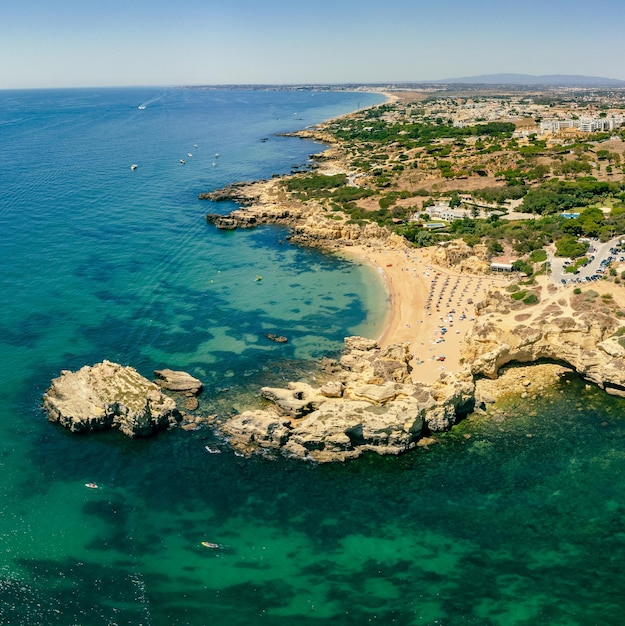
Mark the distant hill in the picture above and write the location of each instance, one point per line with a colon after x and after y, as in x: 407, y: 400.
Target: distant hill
x: 555, y: 80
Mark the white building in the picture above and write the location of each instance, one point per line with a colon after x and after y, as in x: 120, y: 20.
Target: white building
x: 443, y: 211
x: 584, y: 124
x: 553, y: 126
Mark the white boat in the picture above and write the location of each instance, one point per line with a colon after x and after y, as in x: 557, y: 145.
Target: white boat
x: 182, y: 161
x: 133, y: 166
x: 141, y: 107
x: 189, y: 154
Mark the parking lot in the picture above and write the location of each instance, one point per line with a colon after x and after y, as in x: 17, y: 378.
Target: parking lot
x: 600, y: 257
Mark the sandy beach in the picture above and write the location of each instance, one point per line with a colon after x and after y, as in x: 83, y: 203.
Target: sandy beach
x: 431, y: 307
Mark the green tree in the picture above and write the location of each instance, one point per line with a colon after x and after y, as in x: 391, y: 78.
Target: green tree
x: 568, y: 246
x: 471, y: 239
x: 574, y: 168
x: 591, y: 220
x: 526, y: 268
x: 494, y: 247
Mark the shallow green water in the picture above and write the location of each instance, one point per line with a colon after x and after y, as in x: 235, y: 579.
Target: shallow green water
x: 496, y: 529
x: 499, y: 528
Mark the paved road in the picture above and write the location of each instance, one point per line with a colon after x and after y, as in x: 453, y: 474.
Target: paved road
x: 601, y: 252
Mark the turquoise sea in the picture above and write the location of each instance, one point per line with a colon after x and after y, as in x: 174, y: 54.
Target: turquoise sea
x: 102, y: 262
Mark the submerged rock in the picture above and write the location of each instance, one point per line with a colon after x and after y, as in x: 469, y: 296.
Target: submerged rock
x: 109, y: 395
x: 277, y: 338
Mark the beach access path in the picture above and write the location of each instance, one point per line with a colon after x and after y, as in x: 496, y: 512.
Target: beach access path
x: 431, y: 307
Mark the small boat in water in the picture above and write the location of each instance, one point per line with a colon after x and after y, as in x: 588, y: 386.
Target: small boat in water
x: 133, y: 166
x: 91, y: 486
x: 141, y: 107
x: 212, y: 450
x: 182, y: 161
x: 210, y: 544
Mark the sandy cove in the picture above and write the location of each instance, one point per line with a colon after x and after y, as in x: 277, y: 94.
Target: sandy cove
x: 424, y: 300
x: 422, y: 294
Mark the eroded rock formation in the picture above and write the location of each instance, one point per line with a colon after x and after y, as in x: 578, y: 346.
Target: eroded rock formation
x: 109, y: 395
x: 266, y: 202
x: 368, y: 403
x: 580, y: 332
x: 462, y: 258
x: 180, y: 382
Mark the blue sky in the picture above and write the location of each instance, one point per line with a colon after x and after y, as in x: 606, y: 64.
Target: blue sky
x: 72, y: 43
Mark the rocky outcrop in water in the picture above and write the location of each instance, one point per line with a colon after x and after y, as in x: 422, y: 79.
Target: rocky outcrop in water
x: 184, y: 387
x: 178, y: 381
x: 368, y: 403
x: 261, y: 202
x: 242, y: 193
x: 109, y: 395
x: 249, y: 218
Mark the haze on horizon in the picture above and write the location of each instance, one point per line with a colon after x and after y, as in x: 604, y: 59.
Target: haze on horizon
x: 73, y: 43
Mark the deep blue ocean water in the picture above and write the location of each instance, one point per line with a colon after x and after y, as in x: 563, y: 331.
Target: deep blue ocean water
x: 99, y: 261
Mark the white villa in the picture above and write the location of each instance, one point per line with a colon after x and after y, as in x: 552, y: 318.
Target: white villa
x: 443, y: 211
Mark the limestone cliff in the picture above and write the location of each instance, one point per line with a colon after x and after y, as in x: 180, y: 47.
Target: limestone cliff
x: 579, y: 329
x: 461, y: 257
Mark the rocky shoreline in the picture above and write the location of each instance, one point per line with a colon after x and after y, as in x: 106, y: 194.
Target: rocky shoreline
x: 266, y: 202
x: 369, y: 400
x: 391, y: 415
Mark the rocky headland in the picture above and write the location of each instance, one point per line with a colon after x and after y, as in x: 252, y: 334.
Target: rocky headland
x: 267, y: 202
x: 368, y: 402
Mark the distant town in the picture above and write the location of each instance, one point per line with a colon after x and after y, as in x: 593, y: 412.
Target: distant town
x: 526, y: 176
